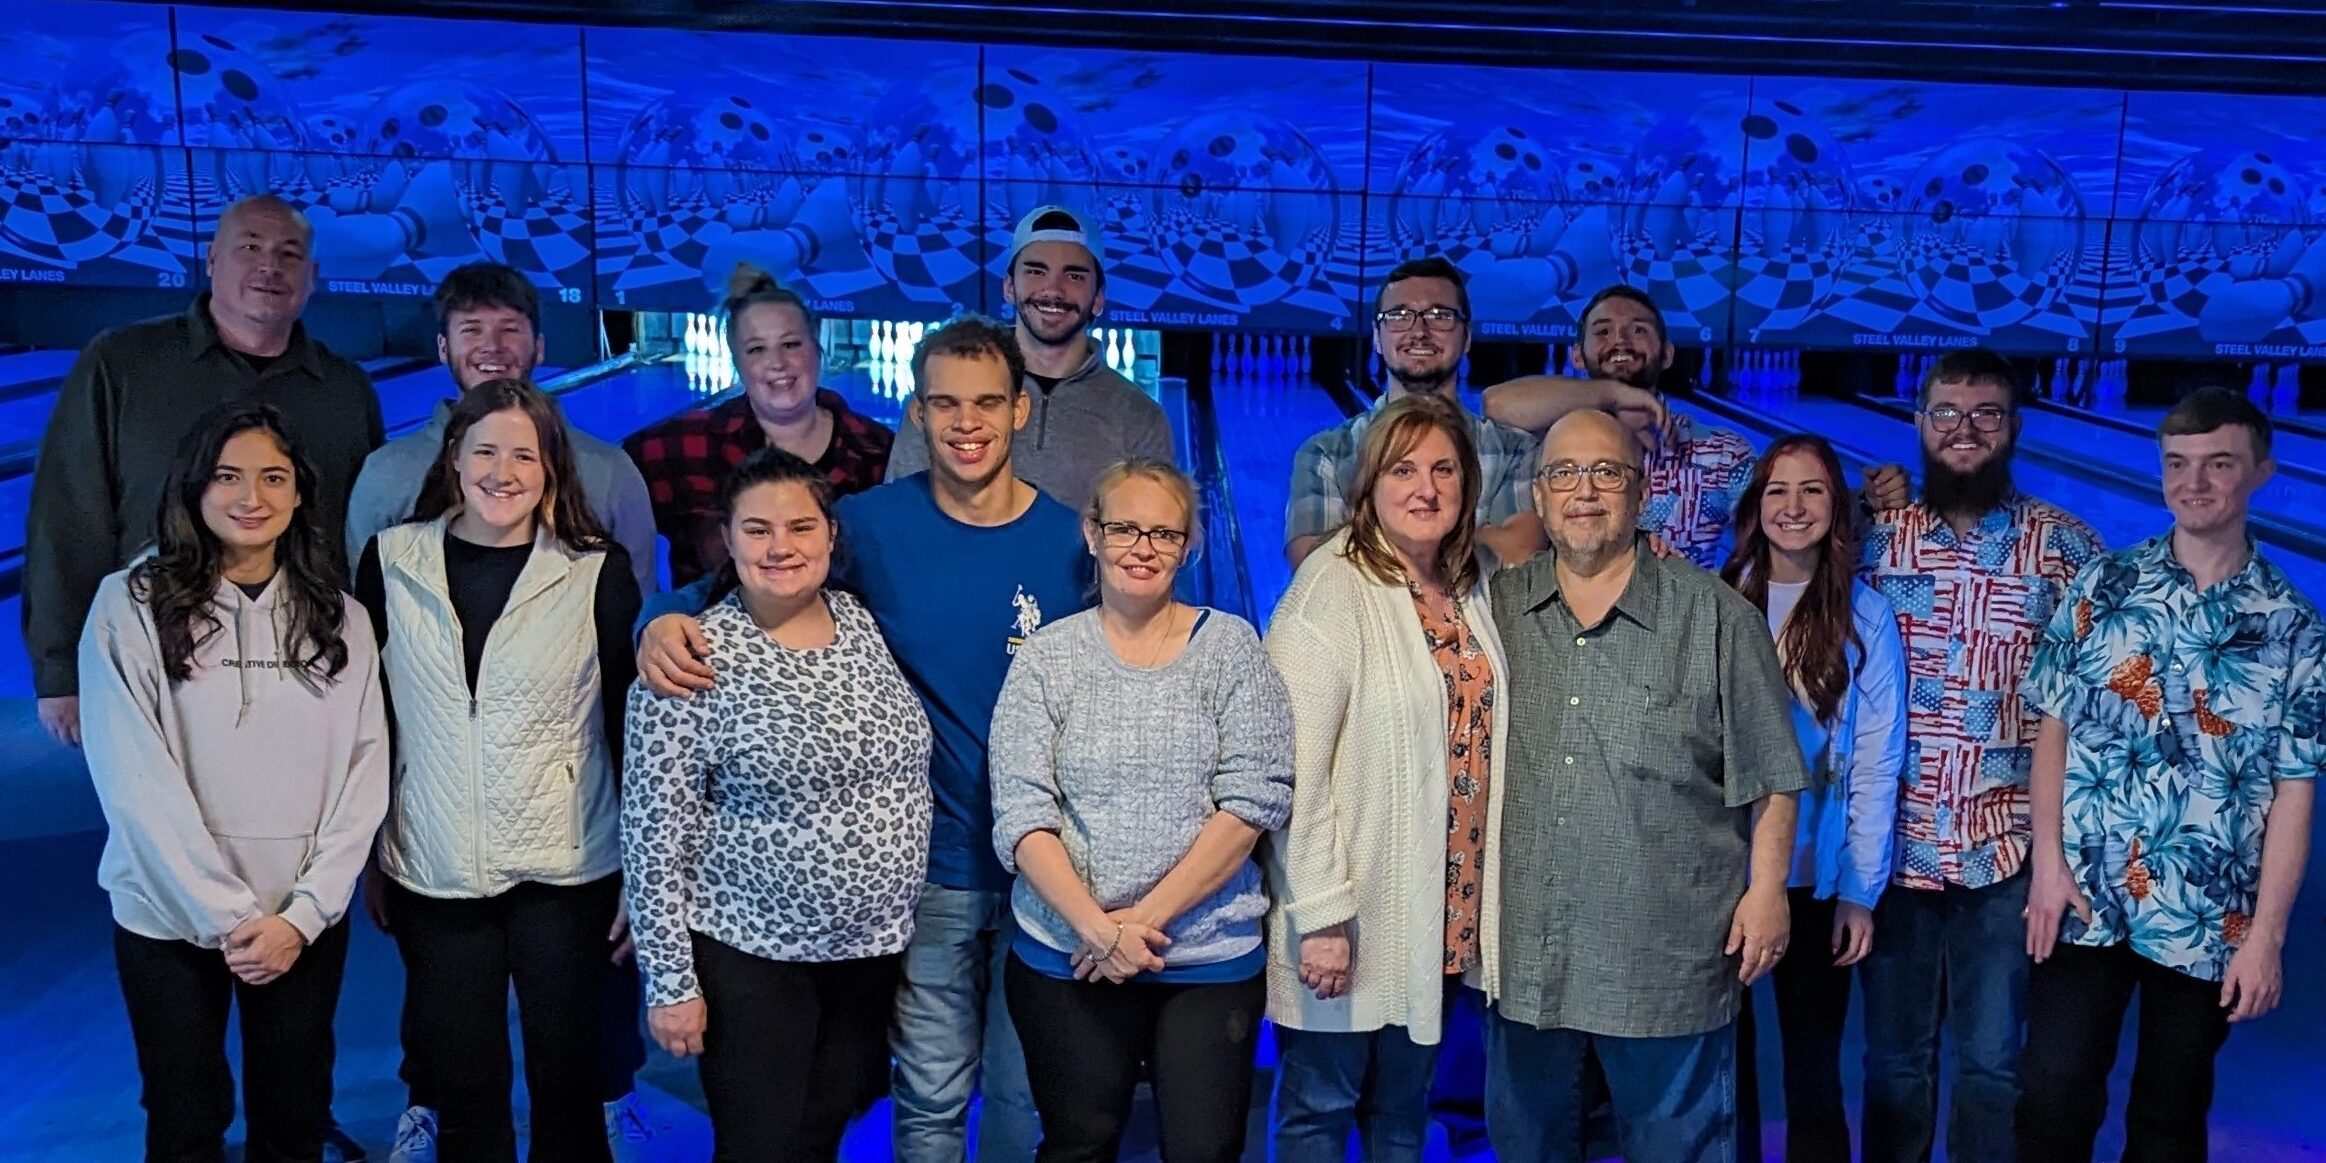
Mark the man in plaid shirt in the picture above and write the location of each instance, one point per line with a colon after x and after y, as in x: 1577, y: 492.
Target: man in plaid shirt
x: 1422, y: 327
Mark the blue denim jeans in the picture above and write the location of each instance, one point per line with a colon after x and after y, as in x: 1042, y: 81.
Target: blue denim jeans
x: 952, y: 1026
x: 1675, y: 1098
x: 1328, y: 1084
x: 1951, y: 960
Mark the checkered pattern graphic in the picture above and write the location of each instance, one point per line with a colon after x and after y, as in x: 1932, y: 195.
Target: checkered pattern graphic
x: 1971, y: 613
x: 62, y: 223
x: 548, y: 236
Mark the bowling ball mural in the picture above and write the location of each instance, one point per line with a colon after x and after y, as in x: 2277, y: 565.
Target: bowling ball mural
x: 948, y: 154
x: 2232, y: 226
x: 1795, y: 194
x: 703, y: 182
x: 515, y: 202
x: 1993, y: 232
x: 2228, y: 204
x: 1247, y: 211
x: 92, y: 189
x: 1495, y: 201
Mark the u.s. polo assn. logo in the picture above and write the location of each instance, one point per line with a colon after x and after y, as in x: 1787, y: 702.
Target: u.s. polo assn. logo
x: 1029, y: 618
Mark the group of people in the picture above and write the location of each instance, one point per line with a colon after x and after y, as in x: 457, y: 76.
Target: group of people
x: 1576, y: 720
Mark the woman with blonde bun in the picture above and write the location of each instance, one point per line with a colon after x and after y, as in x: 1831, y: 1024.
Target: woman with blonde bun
x: 686, y: 459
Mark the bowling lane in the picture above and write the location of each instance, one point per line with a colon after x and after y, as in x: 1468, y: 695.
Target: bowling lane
x: 2305, y: 447
x: 2296, y: 494
x: 1262, y: 422
x: 24, y: 418
x: 33, y: 366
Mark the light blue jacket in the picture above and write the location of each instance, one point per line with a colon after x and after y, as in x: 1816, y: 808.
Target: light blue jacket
x: 1842, y: 847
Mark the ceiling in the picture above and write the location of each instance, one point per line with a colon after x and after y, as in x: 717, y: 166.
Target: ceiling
x: 2256, y: 46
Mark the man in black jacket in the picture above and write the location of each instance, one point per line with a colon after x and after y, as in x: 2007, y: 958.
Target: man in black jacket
x: 132, y: 396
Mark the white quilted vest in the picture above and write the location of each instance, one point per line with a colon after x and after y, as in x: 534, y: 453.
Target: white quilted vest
x: 516, y: 784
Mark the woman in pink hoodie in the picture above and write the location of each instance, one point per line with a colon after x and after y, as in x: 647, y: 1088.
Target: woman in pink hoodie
x: 230, y: 698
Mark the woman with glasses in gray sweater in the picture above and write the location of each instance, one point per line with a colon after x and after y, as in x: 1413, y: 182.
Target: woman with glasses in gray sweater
x: 1139, y: 750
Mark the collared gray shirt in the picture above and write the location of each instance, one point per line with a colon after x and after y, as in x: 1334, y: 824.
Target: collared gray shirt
x: 1637, y: 747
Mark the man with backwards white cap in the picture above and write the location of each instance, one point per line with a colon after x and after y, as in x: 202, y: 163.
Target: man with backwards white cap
x: 1085, y: 416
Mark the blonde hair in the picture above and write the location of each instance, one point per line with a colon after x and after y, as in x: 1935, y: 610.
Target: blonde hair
x: 1161, y: 472
x: 749, y: 286
x: 1400, y: 428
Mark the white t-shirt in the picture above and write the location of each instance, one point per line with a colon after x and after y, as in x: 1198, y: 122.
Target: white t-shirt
x: 1783, y: 596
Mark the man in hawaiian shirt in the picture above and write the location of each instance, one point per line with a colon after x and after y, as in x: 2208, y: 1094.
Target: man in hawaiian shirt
x: 2183, y: 688
x: 1695, y: 475
x: 1974, y: 571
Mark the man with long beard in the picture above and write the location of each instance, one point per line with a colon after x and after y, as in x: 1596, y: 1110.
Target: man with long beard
x: 1974, y: 570
x: 1694, y: 475
x: 1085, y: 415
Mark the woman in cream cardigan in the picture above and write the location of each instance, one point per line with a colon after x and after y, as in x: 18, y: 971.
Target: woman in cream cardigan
x: 1390, y: 655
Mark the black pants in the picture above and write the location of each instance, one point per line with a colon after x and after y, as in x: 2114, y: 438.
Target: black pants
x: 460, y: 959
x: 1812, y: 1007
x: 622, y: 1009
x: 1085, y: 1043
x: 2075, y: 1013
x: 179, y: 995
x: 791, y: 1050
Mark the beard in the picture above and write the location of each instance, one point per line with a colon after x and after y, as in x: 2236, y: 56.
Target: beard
x: 1644, y: 375
x: 1947, y: 493
x: 1423, y: 383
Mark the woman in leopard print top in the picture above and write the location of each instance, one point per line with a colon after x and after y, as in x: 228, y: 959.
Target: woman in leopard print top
x: 775, y: 833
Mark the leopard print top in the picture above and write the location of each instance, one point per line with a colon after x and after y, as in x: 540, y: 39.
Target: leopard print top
x: 785, y: 811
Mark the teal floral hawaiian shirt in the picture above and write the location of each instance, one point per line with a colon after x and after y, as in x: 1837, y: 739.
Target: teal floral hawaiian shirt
x: 2183, y: 708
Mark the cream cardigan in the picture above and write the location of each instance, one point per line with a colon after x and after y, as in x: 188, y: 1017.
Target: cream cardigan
x: 1367, y: 840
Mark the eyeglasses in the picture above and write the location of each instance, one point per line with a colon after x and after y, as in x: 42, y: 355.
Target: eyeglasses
x: 1947, y: 417
x: 1567, y: 476
x: 1125, y: 534
x: 1402, y: 318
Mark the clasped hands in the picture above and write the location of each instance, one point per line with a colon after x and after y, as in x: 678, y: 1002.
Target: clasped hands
x: 262, y: 949
x: 1120, y: 946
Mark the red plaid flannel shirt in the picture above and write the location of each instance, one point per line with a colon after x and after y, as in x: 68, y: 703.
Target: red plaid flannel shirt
x: 686, y: 459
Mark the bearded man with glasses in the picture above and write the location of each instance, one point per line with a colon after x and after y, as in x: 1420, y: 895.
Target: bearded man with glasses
x: 1421, y: 324
x: 1974, y: 571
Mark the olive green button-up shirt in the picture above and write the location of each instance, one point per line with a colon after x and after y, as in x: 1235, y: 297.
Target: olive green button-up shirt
x: 1637, y: 748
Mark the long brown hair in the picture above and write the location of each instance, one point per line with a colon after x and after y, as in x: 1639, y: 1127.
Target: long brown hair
x: 179, y: 583
x: 1400, y: 428
x: 562, y: 509
x: 1816, y: 640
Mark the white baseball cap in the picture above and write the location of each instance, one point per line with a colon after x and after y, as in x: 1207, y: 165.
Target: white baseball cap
x: 1080, y: 235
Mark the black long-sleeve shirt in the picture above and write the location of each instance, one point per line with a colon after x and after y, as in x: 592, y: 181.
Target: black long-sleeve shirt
x: 105, y: 458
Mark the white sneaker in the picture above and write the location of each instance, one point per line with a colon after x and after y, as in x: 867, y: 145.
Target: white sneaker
x: 415, y: 1136
x: 628, y: 1132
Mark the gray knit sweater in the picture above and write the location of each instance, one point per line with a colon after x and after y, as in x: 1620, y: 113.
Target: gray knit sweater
x: 1127, y: 763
